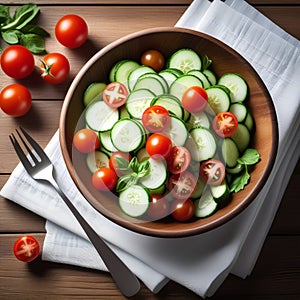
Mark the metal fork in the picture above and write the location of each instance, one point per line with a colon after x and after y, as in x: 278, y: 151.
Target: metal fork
x: 40, y: 168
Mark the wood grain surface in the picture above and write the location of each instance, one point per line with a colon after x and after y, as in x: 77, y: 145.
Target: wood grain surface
x: 276, y: 275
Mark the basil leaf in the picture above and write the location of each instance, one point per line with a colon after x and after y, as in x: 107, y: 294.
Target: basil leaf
x: 134, y: 164
x: 240, y: 182
x: 144, y: 168
x: 33, y: 42
x: 29, y: 28
x: 11, y: 36
x: 23, y: 15
x: 126, y: 181
x: 4, y: 14
x: 123, y: 164
x: 250, y: 157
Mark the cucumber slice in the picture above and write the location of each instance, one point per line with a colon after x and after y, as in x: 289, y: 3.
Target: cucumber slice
x: 218, y: 100
x: 239, y: 110
x: 205, y: 205
x: 230, y: 152
x: 93, y: 93
x: 201, y: 144
x: 138, y: 101
x: 177, y: 131
x: 159, y: 78
x: 171, y: 103
x: 106, y: 142
x: 236, y: 169
x: 134, y: 201
x: 182, y: 83
x: 237, y: 85
x: 199, y: 119
x: 150, y: 83
x: 212, y: 78
x: 123, y: 69
x: 185, y: 60
x: 168, y: 76
x: 242, y: 137
x: 249, y: 121
x: 101, y: 117
x: 136, y: 74
x: 199, y: 189
x: 157, y: 176
x: 201, y: 76
x: 96, y: 160
x: 127, y: 135
x: 221, y: 192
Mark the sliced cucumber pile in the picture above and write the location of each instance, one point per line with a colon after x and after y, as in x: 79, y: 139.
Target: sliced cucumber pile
x: 122, y: 129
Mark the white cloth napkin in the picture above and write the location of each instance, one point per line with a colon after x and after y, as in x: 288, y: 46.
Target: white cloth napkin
x: 201, y: 263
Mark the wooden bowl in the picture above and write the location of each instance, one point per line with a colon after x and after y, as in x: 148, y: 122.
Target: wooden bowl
x: 168, y: 40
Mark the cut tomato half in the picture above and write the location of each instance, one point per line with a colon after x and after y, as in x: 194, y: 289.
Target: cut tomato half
x: 156, y: 118
x: 225, y: 124
x: 115, y: 94
x: 212, y: 172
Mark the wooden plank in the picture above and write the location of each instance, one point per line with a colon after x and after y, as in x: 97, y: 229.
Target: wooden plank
x: 269, y: 280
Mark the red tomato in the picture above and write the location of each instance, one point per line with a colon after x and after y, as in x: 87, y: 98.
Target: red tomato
x: 225, y: 124
x: 71, y: 31
x: 156, y: 118
x: 179, y: 159
x: 182, y: 185
x: 55, y: 68
x: 159, y: 207
x: 119, y: 160
x: 194, y: 99
x: 17, y: 61
x: 115, y: 94
x: 153, y: 59
x: 105, y: 179
x: 212, y: 172
x: 86, y: 140
x: 183, y: 210
x: 15, y: 100
x: 26, y: 248
x: 159, y: 146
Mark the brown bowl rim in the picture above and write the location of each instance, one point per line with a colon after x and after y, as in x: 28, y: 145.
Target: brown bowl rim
x: 160, y: 232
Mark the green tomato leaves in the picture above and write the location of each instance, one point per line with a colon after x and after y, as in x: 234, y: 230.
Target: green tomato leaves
x: 250, y: 157
x: 19, y: 30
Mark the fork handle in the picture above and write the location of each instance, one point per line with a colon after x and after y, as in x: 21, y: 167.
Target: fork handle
x: 126, y: 281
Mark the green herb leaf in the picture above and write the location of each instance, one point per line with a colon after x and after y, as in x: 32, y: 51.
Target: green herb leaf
x: 126, y: 181
x: 11, y: 36
x: 4, y: 15
x: 123, y: 164
x: 240, y: 182
x: 30, y: 28
x: 250, y: 157
x: 134, y: 164
x: 144, y: 168
x: 206, y: 62
x: 33, y: 42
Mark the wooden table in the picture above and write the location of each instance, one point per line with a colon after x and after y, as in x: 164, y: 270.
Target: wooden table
x: 277, y: 272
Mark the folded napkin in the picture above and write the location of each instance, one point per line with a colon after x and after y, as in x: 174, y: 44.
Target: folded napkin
x: 202, y: 262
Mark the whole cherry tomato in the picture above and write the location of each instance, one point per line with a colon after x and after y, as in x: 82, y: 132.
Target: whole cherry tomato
x: 71, y: 31
x: 159, y: 207
x: 15, y: 100
x: 194, y: 99
x: 183, y: 210
x: 26, y: 248
x: 17, y: 61
x: 105, y: 179
x: 86, y: 140
x: 55, y: 68
x: 153, y: 59
x: 159, y: 146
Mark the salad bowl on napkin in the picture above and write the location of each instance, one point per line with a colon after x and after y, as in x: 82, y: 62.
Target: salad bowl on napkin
x: 225, y: 60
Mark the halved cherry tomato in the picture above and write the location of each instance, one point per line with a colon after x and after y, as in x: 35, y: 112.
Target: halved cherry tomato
x: 105, y: 179
x: 86, y: 140
x: 179, y: 159
x: 194, y: 99
x: 17, y: 61
x: 26, y: 248
x: 183, y: 210
x: 55, y: 68
x: 119, y: 160
x: 212, y: 172
x: 15, y: 100
x: 71, y: 31
x: 225, y: 124
x: 156, y: 118
x: 159, y: 146
x: 115, y: 94
x: 153, y: 59
x: 159, y: 207
x: 182, y: 185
